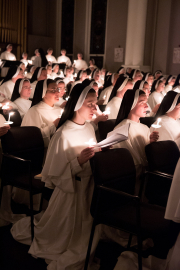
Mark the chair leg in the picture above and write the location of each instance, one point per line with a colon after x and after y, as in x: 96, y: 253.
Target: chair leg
x: 89, y: 246
x: 32, y: 215
x: 139, y: 252
x: 129, y: 241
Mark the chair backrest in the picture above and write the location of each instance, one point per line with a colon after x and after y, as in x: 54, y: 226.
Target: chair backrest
x: 115, y: 169
x: 26, y: 143
x: 162, y: 156
x: 148, y: 121
x: 102, y: 107
x: 15, y: 118
x: 105, y: 128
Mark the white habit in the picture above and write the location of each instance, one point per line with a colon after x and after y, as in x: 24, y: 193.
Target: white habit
x: 50, y: 58
x: 114, y: 106
x: 8, y: 56
x: 6, y: 90
x: 64, y: 59
x: 42, y: 116
x: 80, y: 65
x: 22, y: 105
x: 167, y: 88
x: 106, y: 93
x: 68, y: 211
x: 154, y: 99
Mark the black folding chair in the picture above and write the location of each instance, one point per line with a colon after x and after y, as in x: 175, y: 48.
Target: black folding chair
x: 162, y: 158
x: 23, y: 153
x: 105, y: 127
x: 114, y: 205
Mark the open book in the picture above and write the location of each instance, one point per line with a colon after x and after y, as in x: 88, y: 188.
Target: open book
x: 115, y: 136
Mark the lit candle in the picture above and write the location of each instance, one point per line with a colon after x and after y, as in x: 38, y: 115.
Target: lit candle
x: 61, y: 74
x: 11, y: 113
x: 157, y: 125
x: 90, y: 77
x: 25, y: 73
x: 67, y: 98
x: 6, y: 106
x: 75, y: 75
x: 90, y: 142
x: 107, y: 111
x: 74, y: 61
x: 104, y: 97
x: 94, y: 116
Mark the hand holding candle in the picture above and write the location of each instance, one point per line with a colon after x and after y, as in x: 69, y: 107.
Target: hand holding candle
x: 9, y: 122
x: 6, y: 106
x: 67, y: 98
x: 90, y: 142
x: 157, y: 125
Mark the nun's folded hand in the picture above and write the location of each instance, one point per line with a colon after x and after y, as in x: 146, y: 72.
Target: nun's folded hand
x: 154, y: 136
x: 85, y: 155
x: 56, y: 122
x: 4, y: 130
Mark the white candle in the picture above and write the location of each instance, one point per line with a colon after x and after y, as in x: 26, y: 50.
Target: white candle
x: 94, y: 116
x: 90, y: 77
x: 61, y: 74
x: 104, y: 97
x: 75, y: 74
x: 25, y: 72
x: 107, y: 111
x: 67, y: 98
x: 157, y: 125
x: 11, y: 113
x: 6, y: 106
x: 90, y: 142
x: 74, y: 61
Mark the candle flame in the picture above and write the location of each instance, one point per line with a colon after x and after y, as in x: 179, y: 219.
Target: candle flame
x: 90, y: 142
x: 107, y: 111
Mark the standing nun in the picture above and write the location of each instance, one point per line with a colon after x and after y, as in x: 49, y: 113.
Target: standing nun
x: 62, y: 234
x: 43, y: 113
x: 122, y: 85
x: 169, y: 111
x: 20, y: 96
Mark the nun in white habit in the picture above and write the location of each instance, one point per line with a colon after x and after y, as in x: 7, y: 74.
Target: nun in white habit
x: 8, y: 55
x: 169, y: 84
x: 39, y: 74
x: 122, y: 85
x: 43, y: 113
x: 156, y: 95
x: 62, y: 233
x: 81, y: 76
x: 20, y: 97
x: 62, y: 89
x: 105, y: 94
x: 7, y: 86
x: 169, y: 111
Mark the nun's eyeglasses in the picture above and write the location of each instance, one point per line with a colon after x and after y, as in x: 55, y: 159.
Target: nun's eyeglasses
x: 54, y: 90
x: 26, y: 87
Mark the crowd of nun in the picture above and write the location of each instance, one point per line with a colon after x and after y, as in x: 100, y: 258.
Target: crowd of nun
x: 64, y: 105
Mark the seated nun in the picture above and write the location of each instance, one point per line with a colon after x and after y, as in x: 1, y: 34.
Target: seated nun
x: 30, y: 71
x: 62, y: 233
x: 121, y: 70
x: 64, y: 59
x: 20, y: 97
x: 55, y: 71
x: 81, y: 76
x: 169, y: 84
x: 149, y: 78
x: 121, y: 86
x: 157, y: 74
x: 169, y: 113
x: 43, y: 113
x: 128, y: 71
x: 62, y: 89
x: 49, y: 71
x: 50, y: 58
x: 68, y: 78
x: 96, y: 77
x: 105, y: 94
x: 92, y: 65
x: 40, y: 60
x: 39, y: 75
x: 156, y: 95
x: 7, y: 85
x: 80, y: 64
x: 134, y: 106
x: 136, y: 75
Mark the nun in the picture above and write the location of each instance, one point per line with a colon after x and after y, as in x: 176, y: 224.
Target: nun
x: 30, y: 71
x: 121, y: 86
x: 24, y: 59
x: 92, y: 65
x: 50, y: 58
x: 7, y: 85
x: 156, y: 96
x: 40, y: 60
x: 169, y: 112
x: 8, y: 55
x: 170, y: 81
x: 80, y: 64
x: 49, y: 71
x: 134, y: 106
x: 36, y: 54
x: 105, y: 94
x: 55, y: 70
x: 121, y: 70
x: 67, y: 170
x: 136, y: 75
x: 68, y: 77
x: 39, y: 75
x: 64, y: 59
x: 157, y: 74
x: 62, y: 89
x: 43, y: 113
x: 81, y: 76
x: 20, y: 96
